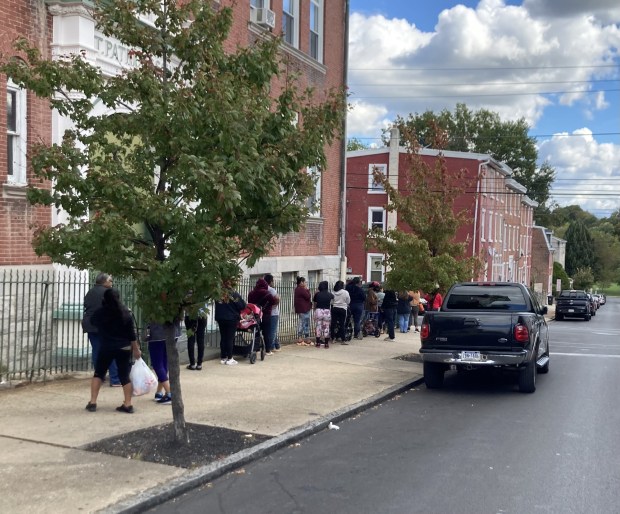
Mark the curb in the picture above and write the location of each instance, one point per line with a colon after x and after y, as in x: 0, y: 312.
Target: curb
x: 199, y: 476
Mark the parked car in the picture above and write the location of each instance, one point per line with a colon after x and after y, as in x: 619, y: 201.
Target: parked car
x: 593, y: 303
x: 603, y: 299
x: 573, y: 303
x: 486, y: 325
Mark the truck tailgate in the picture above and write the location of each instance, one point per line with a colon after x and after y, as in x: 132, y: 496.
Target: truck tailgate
x: 472, y: 330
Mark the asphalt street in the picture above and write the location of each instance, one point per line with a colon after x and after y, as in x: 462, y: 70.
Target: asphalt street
x: 477, y: 446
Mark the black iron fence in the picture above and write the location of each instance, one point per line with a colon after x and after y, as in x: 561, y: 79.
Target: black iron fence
x: 40, y: 321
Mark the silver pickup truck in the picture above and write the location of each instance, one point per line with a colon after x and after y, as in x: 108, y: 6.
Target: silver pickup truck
x: 486, y: 324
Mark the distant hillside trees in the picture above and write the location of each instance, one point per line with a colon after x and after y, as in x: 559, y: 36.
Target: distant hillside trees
x: 579, y: 248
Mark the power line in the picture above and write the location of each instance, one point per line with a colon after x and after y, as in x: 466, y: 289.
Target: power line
x: 494, y: 68
x: 430, y: 84
x: 508, y: 137
x: 476, y: 95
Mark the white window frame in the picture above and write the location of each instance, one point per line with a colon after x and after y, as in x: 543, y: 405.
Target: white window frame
x: 314, y: 202
x: 20, y: 143
x: 295, y: 16
x: 369, y: 258
x: 373, y: 187
x: 491, y: 220
x: 483, y: 218
x: 319, y: 6
x: 371, y: 211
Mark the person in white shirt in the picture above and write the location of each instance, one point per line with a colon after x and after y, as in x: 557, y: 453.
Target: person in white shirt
x: 340, y: 306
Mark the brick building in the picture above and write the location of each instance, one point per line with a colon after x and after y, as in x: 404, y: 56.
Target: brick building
x: 500, y: 213
x: 543, y: 256
x: 25, y: 121
x: 314, y: 47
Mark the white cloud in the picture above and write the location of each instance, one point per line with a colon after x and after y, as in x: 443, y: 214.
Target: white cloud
x: 474, y: 53
x: 500, y: 57
x: 606, y: 11
x: 587, y: 172
x: 367, y: 120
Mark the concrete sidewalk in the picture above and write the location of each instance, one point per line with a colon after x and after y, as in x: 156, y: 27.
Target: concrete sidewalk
x: 289, y: 395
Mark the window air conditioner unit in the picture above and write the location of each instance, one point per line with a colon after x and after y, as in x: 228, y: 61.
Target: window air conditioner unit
x: 264, y: 17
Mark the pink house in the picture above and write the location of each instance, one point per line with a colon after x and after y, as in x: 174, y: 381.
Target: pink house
x: 500, y: 223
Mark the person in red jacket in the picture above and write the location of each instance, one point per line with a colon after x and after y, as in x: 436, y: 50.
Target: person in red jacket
x: 303, y: 304
x: 434, y: 299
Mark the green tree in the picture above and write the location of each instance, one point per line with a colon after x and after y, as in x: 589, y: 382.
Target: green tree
x: 421, y: 252
x: 560, y: 273
x: 483, y: 131
x: 195, y: 169
x: 607, y: 251
x: 355, y: 143
x: 583, y: 278
x: 579, y: 248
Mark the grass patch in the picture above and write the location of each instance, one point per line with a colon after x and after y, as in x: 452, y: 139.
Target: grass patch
x: 612, y: 290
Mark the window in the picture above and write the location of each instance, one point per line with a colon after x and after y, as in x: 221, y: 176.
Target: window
x: 314, y: 200
x: 15, y: 133
x: 375, y: 267
x: 290, y: 22
x: 376, y: 218
x: 373, y: 186
x: 491, y: 221
x: 316, y: 29
x: 314, y: 277
x: 483, y: 216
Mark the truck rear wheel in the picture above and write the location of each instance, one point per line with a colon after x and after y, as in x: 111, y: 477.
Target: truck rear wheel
x: 433, y: 375
x: 527, y: 378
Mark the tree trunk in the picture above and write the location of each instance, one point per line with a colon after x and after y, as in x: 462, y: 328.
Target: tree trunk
x: 181, y: 434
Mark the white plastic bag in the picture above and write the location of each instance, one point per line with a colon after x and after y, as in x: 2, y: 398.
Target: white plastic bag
x: 142, y: 378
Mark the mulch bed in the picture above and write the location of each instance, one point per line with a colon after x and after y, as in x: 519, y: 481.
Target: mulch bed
x: 156, y: 444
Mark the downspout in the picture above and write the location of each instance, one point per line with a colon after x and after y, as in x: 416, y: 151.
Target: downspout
x: 483, y: 163
x: 343, y: 153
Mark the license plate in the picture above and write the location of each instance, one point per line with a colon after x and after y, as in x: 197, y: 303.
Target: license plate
x: 571, y: 310
x: 470, y: 356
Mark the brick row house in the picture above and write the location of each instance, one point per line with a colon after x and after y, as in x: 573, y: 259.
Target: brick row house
x: 37, y: 293
x: 314, y: 47
x: 25, y: 121
x: 500, y: 213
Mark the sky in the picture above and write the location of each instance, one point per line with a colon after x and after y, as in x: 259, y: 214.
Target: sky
x: 555, y: 63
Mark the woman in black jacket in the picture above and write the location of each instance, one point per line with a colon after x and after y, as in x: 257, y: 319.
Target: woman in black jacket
x: 389, y: 312
x: 227, y: 312
x: 115, y: 325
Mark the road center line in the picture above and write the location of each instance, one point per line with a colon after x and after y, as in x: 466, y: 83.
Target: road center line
x: 587, y: 355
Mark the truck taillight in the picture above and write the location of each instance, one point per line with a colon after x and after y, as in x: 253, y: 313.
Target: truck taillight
x: 425, y: 331
x: 521, y: 333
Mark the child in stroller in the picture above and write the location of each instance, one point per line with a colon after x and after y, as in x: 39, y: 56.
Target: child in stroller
x: 370, y: 327
x: 249, y: 332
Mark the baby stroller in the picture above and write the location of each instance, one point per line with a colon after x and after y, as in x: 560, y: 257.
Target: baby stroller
x: 370, y: 326
x: 348, y: 327
x: 249, y: 333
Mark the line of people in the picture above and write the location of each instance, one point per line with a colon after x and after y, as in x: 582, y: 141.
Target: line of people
x: 112, y: 333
